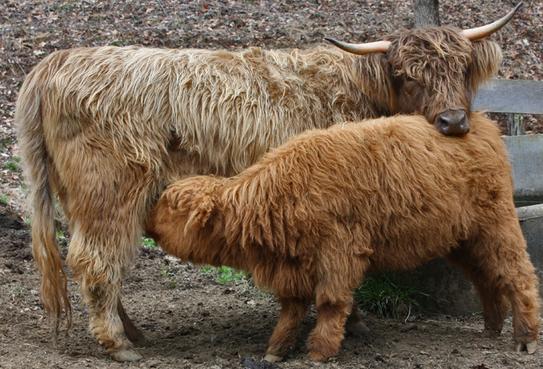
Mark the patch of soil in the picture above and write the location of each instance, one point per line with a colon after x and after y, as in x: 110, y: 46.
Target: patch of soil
x: 191, y: 321
x: 14, y: 240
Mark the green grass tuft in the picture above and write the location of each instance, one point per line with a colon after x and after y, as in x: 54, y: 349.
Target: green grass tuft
x: 224, y: 274
x: 168, y: 272
x: 228, y: 275
x: 149, y: 243
x: 4, y: 199
x: 387, y: 298
x: 62, y: 239
x: 13, y: 164
x: 5, y: 142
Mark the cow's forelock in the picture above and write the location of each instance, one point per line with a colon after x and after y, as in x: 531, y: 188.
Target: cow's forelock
x: 430, y: 67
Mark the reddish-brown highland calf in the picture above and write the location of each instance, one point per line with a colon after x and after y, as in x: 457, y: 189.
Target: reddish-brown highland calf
x: 313, y: 216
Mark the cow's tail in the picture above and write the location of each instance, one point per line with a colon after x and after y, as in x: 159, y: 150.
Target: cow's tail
x: 38, y: 166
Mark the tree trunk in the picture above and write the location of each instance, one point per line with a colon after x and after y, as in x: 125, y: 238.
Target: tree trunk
x: 426, y: 13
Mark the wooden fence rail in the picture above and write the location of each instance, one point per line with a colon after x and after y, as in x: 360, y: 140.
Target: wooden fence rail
x: 518, y: 97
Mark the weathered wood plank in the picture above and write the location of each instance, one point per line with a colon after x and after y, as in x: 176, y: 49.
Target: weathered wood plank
x: 526, y: 157
x: 510, y: 96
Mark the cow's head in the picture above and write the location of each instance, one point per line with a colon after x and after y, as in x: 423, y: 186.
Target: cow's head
x: 435, y: 71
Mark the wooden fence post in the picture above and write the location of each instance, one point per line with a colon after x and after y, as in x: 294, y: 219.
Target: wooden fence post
x: 515, y: 124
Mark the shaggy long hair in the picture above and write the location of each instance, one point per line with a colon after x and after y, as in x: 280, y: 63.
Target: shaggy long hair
x: 105, y: 129
x: 311, y: 217
x: 436, y: 69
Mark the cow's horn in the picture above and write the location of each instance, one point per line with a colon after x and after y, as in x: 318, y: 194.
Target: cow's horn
x: 361, y: 49
x: 477, y: 33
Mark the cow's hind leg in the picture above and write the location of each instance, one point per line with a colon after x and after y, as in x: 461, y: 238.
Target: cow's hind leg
x: 284, y: 335
x: 132, y: 332
x: 98, y: 255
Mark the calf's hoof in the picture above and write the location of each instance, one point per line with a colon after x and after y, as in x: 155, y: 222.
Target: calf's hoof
x: 357, y: 329
x: 492, y: 333
x: 318, y: 357
x: 271, y: 358
x: 126, y: 355
x: 529, y: 347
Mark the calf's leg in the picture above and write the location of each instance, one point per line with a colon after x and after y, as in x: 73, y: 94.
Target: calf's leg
x: 325, y: 339
x: 521, y: 287
x: 284, y: 335
x: 355, y: 325
x: 501, y: 265
x: 492, y: 294
x: 340, y: 273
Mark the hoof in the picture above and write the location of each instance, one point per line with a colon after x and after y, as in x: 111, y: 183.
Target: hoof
x: 529, y: 347
x: 358, y: 329
x: 271, y: 358
x: 317, y: 357
x: 491, y: 333
x: 126, y: 355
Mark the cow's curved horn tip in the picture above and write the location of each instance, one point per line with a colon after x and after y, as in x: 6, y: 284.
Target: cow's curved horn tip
x: 335, y: 42
x: 517, y: 7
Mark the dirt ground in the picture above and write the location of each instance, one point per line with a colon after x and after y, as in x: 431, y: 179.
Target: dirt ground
x: 189, y: 319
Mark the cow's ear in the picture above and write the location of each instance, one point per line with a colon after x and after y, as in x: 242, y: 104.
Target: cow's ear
x: 486, y: 60
x: 375, y: 72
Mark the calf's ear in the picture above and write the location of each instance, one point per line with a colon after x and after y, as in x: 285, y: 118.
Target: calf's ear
x: 486, y: 60
x: 192, y: 203
x: 201, y: 210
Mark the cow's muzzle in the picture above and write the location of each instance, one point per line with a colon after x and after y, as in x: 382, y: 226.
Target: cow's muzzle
x: 452, y: 122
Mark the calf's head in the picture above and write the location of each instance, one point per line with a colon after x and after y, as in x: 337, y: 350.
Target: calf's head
x: 186, y: 216
x: 432, y: 71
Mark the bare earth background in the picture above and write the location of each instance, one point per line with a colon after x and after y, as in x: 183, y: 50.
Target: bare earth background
x: 190, y: 320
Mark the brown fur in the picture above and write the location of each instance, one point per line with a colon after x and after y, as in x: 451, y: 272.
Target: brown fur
x: 105, y: 129
x: 313, y: 216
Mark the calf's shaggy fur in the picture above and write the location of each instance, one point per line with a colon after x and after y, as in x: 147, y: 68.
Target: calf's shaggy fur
x: 313, y: 216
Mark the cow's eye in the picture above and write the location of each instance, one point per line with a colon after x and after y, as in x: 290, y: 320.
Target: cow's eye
x: 410, y: 88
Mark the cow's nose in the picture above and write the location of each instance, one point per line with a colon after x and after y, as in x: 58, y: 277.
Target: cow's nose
x: 453, y: 123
